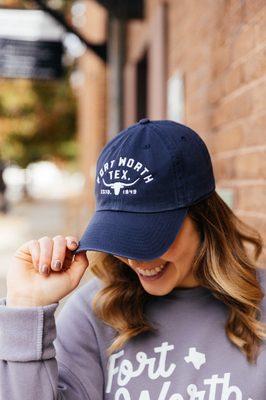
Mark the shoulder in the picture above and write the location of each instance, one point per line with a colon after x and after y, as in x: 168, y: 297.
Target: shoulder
x: 77, y: 316
x: 84, y: 294
x: 79, y: 302
x: 87, y: 291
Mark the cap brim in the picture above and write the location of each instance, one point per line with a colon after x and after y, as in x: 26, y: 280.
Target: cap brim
x: 135, y: 235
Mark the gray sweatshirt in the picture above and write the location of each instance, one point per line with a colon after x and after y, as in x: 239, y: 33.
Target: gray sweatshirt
x: 63, y: 358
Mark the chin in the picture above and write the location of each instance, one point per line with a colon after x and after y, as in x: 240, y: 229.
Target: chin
x: 157, y: 291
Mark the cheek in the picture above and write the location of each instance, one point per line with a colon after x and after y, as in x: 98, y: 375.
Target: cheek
x: 176, y: 252
x: 180, y: 258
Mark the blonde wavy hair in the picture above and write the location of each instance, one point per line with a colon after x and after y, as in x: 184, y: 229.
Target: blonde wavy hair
x: 223, y: 264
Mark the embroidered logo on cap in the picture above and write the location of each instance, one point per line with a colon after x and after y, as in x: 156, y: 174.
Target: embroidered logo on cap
x: 115, y: 175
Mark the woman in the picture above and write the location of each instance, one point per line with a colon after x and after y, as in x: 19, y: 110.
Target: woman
x: 174, y: 310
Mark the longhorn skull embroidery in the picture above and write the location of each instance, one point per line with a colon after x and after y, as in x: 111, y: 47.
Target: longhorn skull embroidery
x: 118, y: 185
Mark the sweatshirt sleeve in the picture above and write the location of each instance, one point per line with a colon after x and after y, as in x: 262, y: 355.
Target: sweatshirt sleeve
x: 48, y: 358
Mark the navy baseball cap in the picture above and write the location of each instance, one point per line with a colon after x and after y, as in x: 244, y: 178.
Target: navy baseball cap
x: 147, y: 177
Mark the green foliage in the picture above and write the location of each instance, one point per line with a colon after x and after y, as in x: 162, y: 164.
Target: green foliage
x: 61, y: 5
x: 37, y: 121
x: 37, y: 118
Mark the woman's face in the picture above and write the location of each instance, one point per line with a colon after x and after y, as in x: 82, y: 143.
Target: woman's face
x: 176, y: 263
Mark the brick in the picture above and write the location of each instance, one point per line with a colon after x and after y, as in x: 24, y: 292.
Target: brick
x: 253, y: 7
x: 255, y: 66
x: 260, y: 31
x: 198, y: 79
x: 232, y: 109
x: 243, y: 42
x: 223, y: 169
x: 251, y: 198
x: 229, y: 138
x: 259, y: 96
x: 199, y: 122
x: 221, y: 59
x: 242, y: 166
x: 216, y: 90
x: 232, y: 17
x: 197, y: 103
x: 254, y: 130
x: 250, y: 165
x: 233, y: 78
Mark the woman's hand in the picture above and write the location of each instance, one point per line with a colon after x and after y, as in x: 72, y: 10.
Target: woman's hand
x: 28, y: 286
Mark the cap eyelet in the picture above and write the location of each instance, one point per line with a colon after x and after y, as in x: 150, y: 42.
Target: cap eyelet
x: 146, y: 146
x: 144, y: 121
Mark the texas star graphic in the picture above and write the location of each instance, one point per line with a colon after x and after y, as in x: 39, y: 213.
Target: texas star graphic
x: 195, y: 357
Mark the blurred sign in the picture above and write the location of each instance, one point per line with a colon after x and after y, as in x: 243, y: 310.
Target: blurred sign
x: 175, y: 98
x: 30, y: 45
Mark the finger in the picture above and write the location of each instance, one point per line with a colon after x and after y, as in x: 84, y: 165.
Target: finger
x: 78, y: 267
x: 72, y: 242
x: 59, y: 251
x: 34, y: 249
x: 46, y: 251
x: 23, y: 252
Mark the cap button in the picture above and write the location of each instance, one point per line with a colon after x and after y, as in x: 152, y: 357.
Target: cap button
x: 144, y: 121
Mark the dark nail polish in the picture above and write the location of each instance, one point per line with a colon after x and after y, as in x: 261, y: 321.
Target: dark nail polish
x: 44, y: 269
x: 58, y: 264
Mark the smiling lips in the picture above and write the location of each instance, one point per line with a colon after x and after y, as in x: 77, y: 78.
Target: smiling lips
x: 151, y: 271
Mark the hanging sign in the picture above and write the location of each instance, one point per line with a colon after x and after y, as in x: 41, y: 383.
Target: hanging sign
x: 30, y: 45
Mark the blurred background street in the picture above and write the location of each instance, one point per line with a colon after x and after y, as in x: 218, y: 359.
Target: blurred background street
x: 73, y: 74
x: 26, y: 221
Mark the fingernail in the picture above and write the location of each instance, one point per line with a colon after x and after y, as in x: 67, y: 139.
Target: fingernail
x: 57, y: 264
x: 73, y: 243
x: 44, y: 269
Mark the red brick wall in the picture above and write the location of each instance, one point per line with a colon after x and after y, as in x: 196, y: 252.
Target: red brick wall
x: 237, y: 97
x: 220, y: 47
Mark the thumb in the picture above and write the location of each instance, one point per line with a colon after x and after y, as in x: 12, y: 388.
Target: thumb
x: 78, y: 266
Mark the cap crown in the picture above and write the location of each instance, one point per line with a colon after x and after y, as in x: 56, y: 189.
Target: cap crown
x: 152, y: 166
